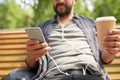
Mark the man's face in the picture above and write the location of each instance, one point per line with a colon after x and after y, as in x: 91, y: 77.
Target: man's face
x: 63, y: 7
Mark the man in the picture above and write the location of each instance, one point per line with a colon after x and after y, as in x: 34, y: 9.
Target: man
x: 71, y: 51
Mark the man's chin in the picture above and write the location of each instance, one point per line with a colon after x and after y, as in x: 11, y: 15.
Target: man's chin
x: 60, y: 10
x: 61, y: 15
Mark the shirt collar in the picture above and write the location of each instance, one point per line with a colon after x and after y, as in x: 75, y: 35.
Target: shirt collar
x: 54, y: 20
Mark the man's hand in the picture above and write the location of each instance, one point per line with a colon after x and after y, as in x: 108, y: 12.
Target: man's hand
x: 111, y: 41
x: 35, y: 49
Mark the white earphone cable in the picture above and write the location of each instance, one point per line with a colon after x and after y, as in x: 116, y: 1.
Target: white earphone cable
x: 65, y: 73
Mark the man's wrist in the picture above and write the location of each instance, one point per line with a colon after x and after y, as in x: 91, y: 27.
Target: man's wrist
x: 107, y: 57
x: 31, y: 63
x: 26, y: 61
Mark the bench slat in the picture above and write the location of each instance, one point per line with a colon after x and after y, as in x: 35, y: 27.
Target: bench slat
x: 15, y: 31
x: 13, y: 52
x: 13, y: 41
x: 115, y: 76
x: 113, y: 69
x: 12, y: 46
x: 23, y: 36
x: 17, y: 58
x: 12, y: 65
x: 4, y: 72
x: 116, y: 61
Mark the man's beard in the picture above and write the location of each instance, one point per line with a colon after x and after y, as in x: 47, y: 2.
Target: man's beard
x: 63, y: 13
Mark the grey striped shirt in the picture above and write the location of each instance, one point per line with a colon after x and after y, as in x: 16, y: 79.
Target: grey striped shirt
x: 70, y: 53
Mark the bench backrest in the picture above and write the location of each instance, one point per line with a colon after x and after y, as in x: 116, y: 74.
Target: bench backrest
x: 12, y: 50
x: 113, y: 69
x: 13, y: 53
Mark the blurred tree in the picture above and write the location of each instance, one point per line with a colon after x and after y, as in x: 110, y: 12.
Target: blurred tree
x: 11, y: 15
x: 43, y: 10
x: 82, y: 8
x: 107, y: 8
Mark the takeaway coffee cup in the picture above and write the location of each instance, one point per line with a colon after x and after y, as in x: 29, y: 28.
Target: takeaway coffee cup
x: 104, y: 24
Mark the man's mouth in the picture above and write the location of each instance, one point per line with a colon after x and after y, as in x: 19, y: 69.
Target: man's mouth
x: 60, y: 6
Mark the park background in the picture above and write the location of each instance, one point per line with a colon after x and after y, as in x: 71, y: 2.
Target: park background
x: 27, y: 13
x: 15, y: 15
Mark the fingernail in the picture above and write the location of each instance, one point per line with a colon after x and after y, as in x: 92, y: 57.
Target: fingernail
x: 110, y: 31
x: 49, y: 48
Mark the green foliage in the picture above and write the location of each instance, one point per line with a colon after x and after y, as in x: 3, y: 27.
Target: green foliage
x: 81, y: 8
x: 11, y: 15
x: 43, y: 10
x: 107, y: 8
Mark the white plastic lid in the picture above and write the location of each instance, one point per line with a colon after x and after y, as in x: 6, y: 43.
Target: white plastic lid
x: 105, y: 18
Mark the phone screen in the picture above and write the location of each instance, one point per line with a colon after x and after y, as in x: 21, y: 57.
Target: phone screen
x: 35, y: 33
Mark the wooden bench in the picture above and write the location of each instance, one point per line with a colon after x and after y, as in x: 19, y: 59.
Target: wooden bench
x: 12, y: 50
x: 13, y: 53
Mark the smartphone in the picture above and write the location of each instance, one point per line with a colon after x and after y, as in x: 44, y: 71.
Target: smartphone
x: 35, y: 33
